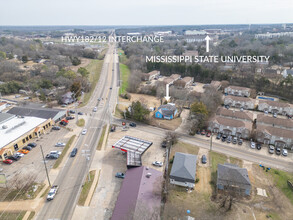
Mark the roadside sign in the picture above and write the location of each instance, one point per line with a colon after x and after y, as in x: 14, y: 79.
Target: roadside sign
x: 123, y: 123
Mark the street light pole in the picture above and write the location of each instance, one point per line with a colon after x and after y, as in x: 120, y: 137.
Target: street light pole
x: 45, y: 166
x: 211, y: 142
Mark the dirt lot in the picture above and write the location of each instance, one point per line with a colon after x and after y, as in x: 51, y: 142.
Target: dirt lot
x: 204, y: 203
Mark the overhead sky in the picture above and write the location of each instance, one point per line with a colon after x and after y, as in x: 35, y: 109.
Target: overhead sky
x: 144, y: 12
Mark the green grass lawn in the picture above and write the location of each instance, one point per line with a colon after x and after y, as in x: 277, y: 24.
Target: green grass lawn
x: 95, y: 68
x: 280, y: 178
x: 99, y: 147
x: 122, y: 57
x: 15, y: 215
x: 59, y: 160
x: 80, y: 122
x: 86, y: 188
x: 125, y: 73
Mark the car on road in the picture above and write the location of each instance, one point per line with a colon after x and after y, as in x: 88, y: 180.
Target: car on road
x: 95, y: 109
x: 234, y: 141
x: 60, y: 144
x: 84, y: 131
x: 285, y: 152
x: 158, y: 164
x: 271, y: 149
x: 56, y: 128
x: 120, y: 175
x: 219, y: 135
x: 13, y: 157
x: 258, y: 146
x: 23, y: 151
x: 19, y: 154
x: 278, y: 151
x: 8, y: 161
x: 52, y: 193
x: 240, y: 141
x: 204, y: 159
x: 252, y: 145
x: 110, y: 88
x: 132, y: 124
x: 27, y: 148
x: 80, y: 113
x: 70, y: 117
x: 73, y: 152
x: 33, y: 144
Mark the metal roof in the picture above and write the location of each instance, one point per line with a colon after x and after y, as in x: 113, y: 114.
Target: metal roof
x: 5, y: 116
x: 134, y: 147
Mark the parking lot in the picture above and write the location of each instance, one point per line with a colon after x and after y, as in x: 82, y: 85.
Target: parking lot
x: 33, y: 162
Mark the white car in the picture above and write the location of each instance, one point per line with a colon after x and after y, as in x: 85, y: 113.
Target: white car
x: 285, y: 152
x: 55, y: 152
x: 60, y: 144
x: 252, y: 145
x: 84, y: 131
x: 95, y: 109
x: 158, y: 164
x: 19, y: 154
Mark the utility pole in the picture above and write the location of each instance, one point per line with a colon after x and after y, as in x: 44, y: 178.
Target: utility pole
x: 45, y: 166
x: 211, y: 142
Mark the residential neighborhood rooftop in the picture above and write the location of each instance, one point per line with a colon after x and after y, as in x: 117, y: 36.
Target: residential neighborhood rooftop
x: 245, y: 115
x: 274, y: 121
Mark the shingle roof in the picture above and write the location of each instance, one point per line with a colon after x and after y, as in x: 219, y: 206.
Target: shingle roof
x: 235, y: 114
x: 274, y: 121
x: 232, y: 122
x: 167, y: 110
x: 239, y: 88
x: 184, y: 167
x: 154, y: 72
x: 175, y: 76
x: 239, y: 98
x: 231, y: 174
x: 274, y: 103
x: 279, y: 132
x: 138, y: 190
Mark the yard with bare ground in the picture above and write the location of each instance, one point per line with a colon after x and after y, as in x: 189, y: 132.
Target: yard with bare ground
x: 204, y: 203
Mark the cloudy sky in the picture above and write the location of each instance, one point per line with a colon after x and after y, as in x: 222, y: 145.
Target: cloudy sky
x: 144, y: 12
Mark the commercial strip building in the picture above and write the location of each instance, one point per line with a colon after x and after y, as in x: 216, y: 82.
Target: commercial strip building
x: 17, y: 131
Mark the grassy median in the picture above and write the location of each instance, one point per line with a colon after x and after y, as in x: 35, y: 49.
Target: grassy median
x: 100, y: 144
x: 80, y: 122
x: 86, y: 188
x: 125, y: 73
x: 68, y: 145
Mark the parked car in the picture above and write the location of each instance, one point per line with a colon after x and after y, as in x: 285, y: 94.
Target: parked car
x: 8, y: 161
x: 19, y: 154
x: 70, y: 117
x: 120, y: 175
x: 285, y: 152
x: 198, y: 132
x: 80, y: 113
x: 23, y: 151
x: 224, y: 138
x: 271, y: 149
x: 203, y: 132
x: 234, y: 140
x: 240, y: 141
x: 71, y: 111
x: 60, y: 144
x: 84, y: 131
x: 73, y: 152
x: 219, y: 135
x: 158, y: 164
x: 274, y: 115
x: 204, y: 159
x: 95, y: 109
x: 252, y: 145
x: 52, y: 156
x: 229, y: 139
x: 258, y: 146
x: 13, y: 157
x: 63, y: 123
x: 113, y: 128
x: 56, y: 128
x: 33, y: 144
x: 55, y: 152
x: 27, y: 148
x: 208, y: 134
x: 278, y: 151
x: 132, y: 124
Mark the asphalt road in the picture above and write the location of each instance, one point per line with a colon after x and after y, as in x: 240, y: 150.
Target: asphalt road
x: 73, y: 174
x: 240, y: 153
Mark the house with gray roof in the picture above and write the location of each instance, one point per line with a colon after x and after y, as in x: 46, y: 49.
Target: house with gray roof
x: 183, y: 172
x: 233, y: 179
x: 167, y: 111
